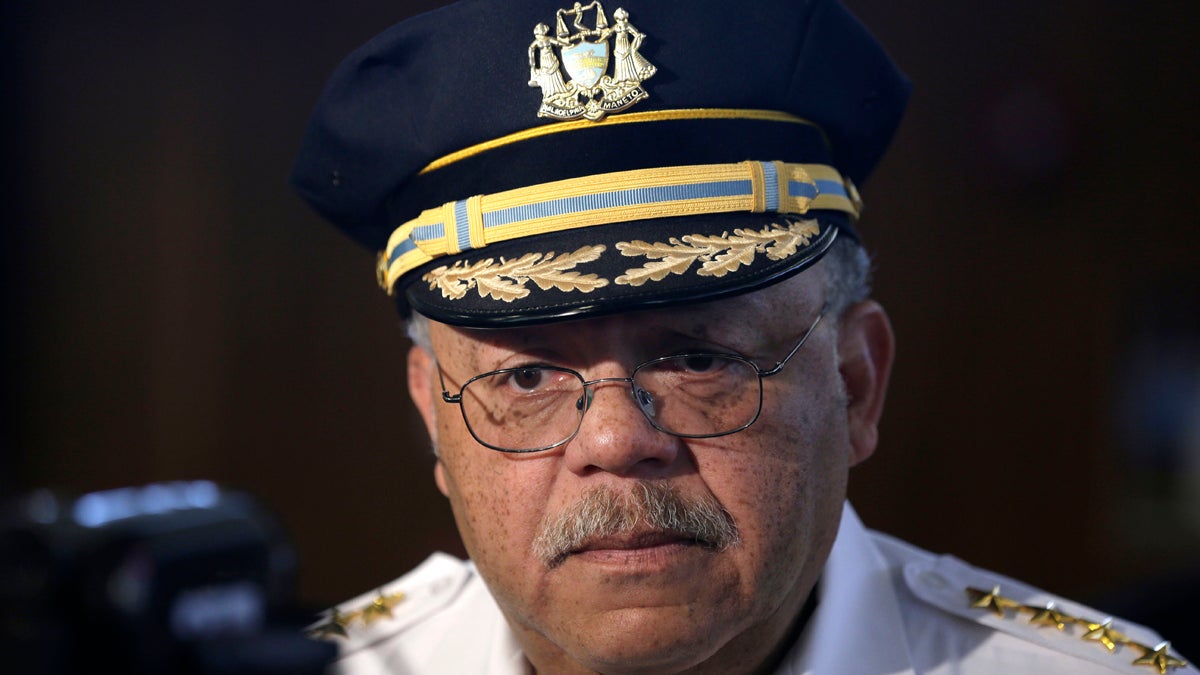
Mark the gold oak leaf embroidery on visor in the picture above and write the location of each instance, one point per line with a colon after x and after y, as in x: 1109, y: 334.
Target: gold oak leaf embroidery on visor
x: 506, y: 280
x: 719, y: 255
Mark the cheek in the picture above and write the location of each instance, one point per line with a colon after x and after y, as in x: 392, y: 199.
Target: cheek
x: 494, y: 502
x: 784, y: 482
x: 497, y: 504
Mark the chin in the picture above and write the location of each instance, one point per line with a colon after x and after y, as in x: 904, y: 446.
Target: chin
x: 647, y: 640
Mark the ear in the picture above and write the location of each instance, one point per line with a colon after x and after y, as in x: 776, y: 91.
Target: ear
x: 439, y: 477
x: 421, y: 389
x: 866, y: 347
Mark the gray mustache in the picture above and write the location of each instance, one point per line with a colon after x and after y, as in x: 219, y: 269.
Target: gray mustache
x: 604, y: 512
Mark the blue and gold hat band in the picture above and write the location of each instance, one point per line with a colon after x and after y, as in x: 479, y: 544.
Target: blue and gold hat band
x: 626, y: 196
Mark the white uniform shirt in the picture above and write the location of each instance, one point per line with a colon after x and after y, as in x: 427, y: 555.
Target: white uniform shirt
x: 884, y: 606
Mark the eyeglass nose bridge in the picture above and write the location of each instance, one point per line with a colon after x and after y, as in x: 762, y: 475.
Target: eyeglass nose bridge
x: 643, y: 398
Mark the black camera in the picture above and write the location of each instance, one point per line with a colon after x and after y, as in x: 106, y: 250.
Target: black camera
x: 181, y: 578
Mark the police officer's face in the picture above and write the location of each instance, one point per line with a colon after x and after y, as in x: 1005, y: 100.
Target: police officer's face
x: 645, y: 599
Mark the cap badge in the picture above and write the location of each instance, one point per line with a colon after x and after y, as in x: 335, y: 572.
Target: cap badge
x: 592, y: 90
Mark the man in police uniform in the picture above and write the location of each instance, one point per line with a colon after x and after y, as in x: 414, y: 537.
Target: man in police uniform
x: 624, y: 238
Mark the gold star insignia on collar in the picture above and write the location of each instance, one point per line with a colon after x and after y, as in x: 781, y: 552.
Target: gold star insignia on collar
x: 991, y: 600
x: 1159, y: 657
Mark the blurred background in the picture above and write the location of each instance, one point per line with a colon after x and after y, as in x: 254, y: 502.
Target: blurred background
x: 175, y: 312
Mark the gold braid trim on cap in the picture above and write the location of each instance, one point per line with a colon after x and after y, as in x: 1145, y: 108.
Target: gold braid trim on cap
x: 623, y: 196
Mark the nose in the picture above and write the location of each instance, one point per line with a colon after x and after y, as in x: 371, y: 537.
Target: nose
x: 615, y: 435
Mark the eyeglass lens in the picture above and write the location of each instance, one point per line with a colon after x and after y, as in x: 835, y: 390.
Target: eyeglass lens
x: 539, y: 407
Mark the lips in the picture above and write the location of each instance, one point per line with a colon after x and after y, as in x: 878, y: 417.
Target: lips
x: 631, y: 541
x: 654, y: 548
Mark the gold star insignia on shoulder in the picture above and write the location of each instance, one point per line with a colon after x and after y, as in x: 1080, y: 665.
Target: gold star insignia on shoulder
x: 336, y: 623
x: 1104, y: 634
x: 1156, y: 657
x: 1159, y: 657
x: 380, y: 607
x: 333, y: 625
x: 1049, y: 616
x: 991, y: 600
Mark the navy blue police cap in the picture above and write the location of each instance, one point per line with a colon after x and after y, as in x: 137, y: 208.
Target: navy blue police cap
x: 524, y: 161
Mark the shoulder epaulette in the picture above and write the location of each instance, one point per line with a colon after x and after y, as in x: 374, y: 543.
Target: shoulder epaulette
x: 1014, y: 608
x: 395, y: 605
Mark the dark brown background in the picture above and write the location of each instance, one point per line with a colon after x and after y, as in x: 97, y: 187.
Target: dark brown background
x: 176, y: 312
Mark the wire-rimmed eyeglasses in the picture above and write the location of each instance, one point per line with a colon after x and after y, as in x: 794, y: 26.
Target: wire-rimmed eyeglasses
x: 539, y: 407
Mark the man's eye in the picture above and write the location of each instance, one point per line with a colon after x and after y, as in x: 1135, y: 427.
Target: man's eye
x: 700, y: 363
x: 527, y: 379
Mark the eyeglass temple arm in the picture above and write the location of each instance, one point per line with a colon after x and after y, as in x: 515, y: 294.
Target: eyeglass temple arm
x: 446, y: 395
x: 779, y: 366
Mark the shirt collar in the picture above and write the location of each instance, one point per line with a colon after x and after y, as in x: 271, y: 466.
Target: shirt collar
x: 857, y: 626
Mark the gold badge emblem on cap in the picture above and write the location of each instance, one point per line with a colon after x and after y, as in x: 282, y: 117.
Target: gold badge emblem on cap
x: 591, y: 92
